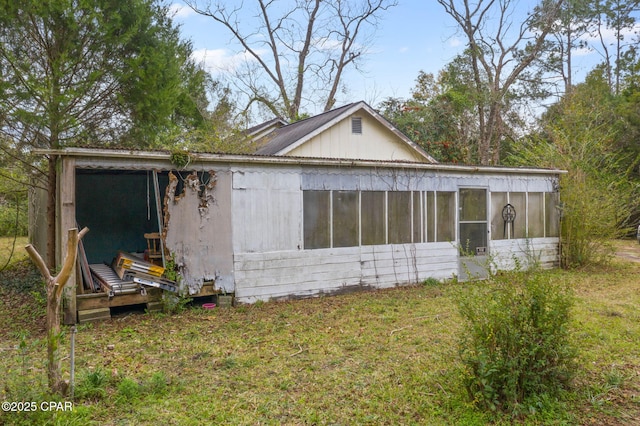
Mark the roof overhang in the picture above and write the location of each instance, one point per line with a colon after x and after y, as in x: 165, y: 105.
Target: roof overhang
x: 150, y: 160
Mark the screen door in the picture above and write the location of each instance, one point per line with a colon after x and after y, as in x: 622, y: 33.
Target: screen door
x: 473, y: 233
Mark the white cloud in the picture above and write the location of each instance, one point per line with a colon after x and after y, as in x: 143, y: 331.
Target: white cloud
x: 609, y: 35
x: 404, y: 49
x: 220, y: 60
x: 455, y: 42
x: 326, y: 43
x: 582, y: 51
x: 180, y: 11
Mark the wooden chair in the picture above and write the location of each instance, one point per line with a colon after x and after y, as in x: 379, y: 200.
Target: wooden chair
x: 154, y: 255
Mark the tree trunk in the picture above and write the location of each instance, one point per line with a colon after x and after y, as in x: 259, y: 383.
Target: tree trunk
x: 54, y: 370
x: 55, y: 287
x: 51, y: 214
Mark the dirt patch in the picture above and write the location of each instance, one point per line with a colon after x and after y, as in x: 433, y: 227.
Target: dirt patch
x: 628, y: 249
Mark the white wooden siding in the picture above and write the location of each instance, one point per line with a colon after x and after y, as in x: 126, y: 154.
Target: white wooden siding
x: 375, y: 143
x: 290, y: 274
x: 507, y: 254
x: 267, y: 210
x: 269, y: 262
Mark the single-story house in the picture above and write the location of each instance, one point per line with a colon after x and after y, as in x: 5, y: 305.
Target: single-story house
x: 338, y: 202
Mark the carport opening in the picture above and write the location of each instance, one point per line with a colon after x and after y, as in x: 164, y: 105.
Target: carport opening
x: 119, y: 207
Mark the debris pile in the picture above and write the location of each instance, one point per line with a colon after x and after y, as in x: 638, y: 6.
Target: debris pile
x: 127, y: 274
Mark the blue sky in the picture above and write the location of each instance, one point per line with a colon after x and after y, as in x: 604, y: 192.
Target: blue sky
x: 415, y: 35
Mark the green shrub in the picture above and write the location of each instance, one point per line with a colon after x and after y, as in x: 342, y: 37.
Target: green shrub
x: 157, y: 385
x: 128, y: 389
x: 174, y: 303
x: 92, y: 385
x: 13, y: 217
x: 514, y: 346
x: 430, y: 282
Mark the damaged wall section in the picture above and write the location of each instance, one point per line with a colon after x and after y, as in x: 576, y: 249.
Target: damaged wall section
x: 197, y: 231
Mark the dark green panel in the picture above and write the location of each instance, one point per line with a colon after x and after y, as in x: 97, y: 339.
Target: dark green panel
x: 118, y: 207
x: 346, y: 225
x: 316, y: 219
x: 373, y: 218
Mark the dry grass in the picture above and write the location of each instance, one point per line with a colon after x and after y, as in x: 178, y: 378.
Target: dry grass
x: 385, y: 357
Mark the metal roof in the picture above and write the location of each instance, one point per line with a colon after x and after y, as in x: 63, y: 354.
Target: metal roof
x: 148, y: 160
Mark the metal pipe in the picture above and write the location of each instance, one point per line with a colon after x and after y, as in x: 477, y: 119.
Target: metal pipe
x: 156, y: 188
x: 73, y: 360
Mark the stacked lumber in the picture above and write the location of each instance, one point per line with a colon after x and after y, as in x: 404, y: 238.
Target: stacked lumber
x: 125, y: 262
x: 129, y: 267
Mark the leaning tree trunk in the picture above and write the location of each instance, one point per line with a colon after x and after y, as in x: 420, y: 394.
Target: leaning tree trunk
x: 55, y: 287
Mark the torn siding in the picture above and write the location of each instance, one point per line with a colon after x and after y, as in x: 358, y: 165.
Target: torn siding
x: 197, y: 228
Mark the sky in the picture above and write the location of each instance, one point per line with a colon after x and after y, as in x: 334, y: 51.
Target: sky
x: 415, y: 35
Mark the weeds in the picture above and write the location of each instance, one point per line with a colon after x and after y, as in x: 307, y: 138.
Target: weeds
x: 92, y: 385
x: 514, y: 345
x: 129, y: 389
x: 174, y: 304
x: 431, y: 282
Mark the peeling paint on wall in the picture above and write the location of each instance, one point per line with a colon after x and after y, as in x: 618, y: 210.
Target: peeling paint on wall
x: 189, y: 229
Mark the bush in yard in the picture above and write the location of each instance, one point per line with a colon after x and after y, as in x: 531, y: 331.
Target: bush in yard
x: 515, y: 347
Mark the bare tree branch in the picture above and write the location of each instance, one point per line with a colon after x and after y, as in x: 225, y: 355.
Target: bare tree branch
x: 498, y: 57
x: 309, y: 46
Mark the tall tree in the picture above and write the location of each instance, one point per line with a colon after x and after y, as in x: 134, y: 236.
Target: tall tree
x: 579, y: 134
x: 618, y: 16
x: 500, y: 50
x: 439, y: 115
x: 89, y: 72
x: 568, y: 33
x: 299, y: 50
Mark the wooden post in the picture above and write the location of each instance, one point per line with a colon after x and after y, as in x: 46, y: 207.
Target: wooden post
x: 54, y: 287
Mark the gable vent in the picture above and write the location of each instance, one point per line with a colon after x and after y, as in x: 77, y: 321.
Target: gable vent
x: 356, y: 125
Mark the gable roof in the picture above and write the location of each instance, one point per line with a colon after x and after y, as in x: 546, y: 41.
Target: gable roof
x: 283, y: 140
x: 264, y: 128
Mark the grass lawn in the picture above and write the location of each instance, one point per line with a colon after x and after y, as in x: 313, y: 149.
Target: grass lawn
x: 383, y: 357
x: 12, y: 250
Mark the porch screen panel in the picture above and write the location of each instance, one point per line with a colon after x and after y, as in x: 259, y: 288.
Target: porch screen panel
x: 399, y: 217
x: 373, y: 208
x: 552, y: 217
x: 345, y: 219
x: 316, y: 219
x: 446, y: 216
x: 536, y: 214
x: 499, y: 229
x: 518, y: 201
x: 417, y: 217
x: 473, y: 205
x: 430, y: 216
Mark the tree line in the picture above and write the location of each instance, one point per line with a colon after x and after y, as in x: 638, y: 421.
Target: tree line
x: 511, y: 99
